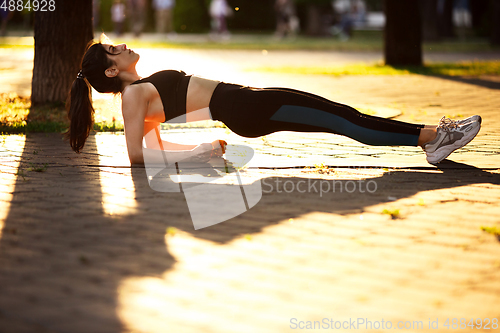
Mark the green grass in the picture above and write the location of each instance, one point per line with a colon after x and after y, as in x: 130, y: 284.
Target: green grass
x: 17, y: 116
x: 495, y: 231
x: 171, y: 231
x: 269, y: 43
x: 393, y: 213
x: 112, y: 126
x: 37, y: 167
x: 34, y: 127
x: 362, y: 41
x: 13, y: 109
x: 465, y: 68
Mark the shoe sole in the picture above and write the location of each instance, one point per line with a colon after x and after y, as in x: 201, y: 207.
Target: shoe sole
x: 443, y: 152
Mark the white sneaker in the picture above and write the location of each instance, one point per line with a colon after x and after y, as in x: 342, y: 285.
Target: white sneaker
x: 468, y: 120
x: 451, y: 135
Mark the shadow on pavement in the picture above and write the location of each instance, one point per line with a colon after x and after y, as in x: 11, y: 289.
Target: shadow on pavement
x: 285, y: 201
x: 62, y: 258
x: 485, y: 81
x: 472, y: 80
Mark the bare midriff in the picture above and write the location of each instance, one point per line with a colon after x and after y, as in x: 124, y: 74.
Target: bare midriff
x: 199, y: 93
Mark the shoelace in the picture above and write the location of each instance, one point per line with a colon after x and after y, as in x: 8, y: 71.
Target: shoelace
x: 447, y: 124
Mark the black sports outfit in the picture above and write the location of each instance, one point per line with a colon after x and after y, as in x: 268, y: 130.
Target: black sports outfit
x: 253, y: 112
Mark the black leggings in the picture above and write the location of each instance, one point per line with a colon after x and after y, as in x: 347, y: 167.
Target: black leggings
x: 253, y: 112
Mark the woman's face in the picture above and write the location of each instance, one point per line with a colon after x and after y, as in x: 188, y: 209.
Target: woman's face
x: 124, y: 58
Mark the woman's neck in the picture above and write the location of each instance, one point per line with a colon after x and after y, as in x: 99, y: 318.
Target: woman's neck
x: 128, y: 78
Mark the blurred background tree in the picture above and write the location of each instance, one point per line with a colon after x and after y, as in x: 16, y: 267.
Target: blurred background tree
x: 479, y: 14
x: 403, y: 33
x: 312, y: 14
x: 61, y: 36
x: 495, y: 18
x: 253, y: 16
x: 191, y: 16
x: 430, y: 20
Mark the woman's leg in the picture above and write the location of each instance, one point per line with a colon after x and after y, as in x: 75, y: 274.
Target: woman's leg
x: 255, y: 112
x: 427, y: 134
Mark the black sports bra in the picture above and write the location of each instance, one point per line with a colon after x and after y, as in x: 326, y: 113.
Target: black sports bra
x: 172, y: 86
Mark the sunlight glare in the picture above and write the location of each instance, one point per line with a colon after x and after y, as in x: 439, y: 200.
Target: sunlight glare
x: 212, y: 286
x: 11, y: 149
x: 208, y: 64
x: 117, y: 186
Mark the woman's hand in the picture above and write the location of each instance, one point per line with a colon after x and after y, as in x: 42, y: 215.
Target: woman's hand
x: 218, y: 148
x: 201, y: 154
x: 205, y: 151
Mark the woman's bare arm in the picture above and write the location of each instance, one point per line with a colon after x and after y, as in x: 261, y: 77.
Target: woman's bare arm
x: 154, y: 141
x: 157, y: 151
x: 134, y: 108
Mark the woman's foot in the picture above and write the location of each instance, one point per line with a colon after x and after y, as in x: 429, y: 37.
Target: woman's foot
x: 451, y: 135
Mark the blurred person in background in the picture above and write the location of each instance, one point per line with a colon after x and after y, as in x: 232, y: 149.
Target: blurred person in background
x: 461, y: 15
x: 164, y: 10
x: 358, y: 13
x: 287, y: 22
x: 352, y: 13
x: 118, y: 16
x: 136, y: 12
x: 219, y: 10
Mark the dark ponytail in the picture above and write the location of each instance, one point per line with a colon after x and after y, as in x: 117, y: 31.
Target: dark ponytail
x: 79, y: 104
x: 80, y: 114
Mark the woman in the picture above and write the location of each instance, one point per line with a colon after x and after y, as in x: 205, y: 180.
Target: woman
x: 174, y: 96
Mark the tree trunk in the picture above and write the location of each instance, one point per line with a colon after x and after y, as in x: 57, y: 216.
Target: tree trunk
x: 403, y: 33
x: 446, y: 26
x: 478, y: 10
x: 430, y: 28
x: 495, y: 19
x: 61, y: 36
x: 314, y: 23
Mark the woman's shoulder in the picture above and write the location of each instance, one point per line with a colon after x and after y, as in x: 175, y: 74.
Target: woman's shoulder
x: 132, y: 90
x: 134, y: 102
x: 134, y: 93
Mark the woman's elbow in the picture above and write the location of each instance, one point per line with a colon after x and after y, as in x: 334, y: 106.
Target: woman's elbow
x: 136, y: 159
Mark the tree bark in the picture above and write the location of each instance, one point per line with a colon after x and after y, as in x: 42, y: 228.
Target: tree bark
x: 61, y: 36
x: 478, y: 10
x: 403, y: 33
x: 430, y: 28
x: 495, y: 19
x: 446, y: 26
x: 314, y: 22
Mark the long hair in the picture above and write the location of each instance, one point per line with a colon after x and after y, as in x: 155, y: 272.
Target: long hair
x: 79, y: 103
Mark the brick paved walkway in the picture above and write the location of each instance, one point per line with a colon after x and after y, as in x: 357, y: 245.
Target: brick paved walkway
x: 87, y: 246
